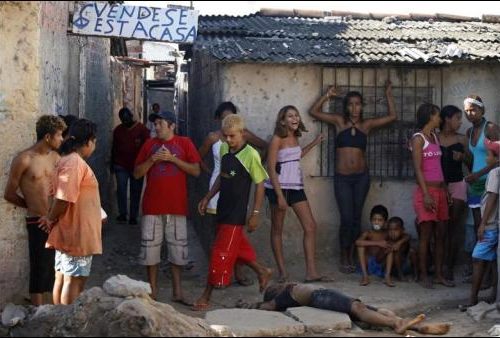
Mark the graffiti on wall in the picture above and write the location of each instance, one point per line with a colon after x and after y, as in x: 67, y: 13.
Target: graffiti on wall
x: 464, y: 88
x: 3, y: 107
x: 147, y: 23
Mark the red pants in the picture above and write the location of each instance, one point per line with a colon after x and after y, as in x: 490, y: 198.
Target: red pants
x: 231, y: 245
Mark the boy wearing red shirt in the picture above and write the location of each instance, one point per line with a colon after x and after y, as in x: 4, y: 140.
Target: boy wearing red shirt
x: 165, y: 160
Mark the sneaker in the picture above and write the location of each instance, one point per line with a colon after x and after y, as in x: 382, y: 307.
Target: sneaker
x: 121, y: 219
x: 132, y: 221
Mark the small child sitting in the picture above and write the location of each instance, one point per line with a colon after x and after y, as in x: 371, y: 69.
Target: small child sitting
x: 374, y: 250
x: 399, y: 240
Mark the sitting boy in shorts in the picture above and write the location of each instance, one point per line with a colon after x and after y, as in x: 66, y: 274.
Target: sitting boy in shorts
x: 374, y: 250
x: 399, y: 240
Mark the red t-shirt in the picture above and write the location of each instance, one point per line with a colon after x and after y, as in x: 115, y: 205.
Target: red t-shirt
x: 126, y: 144
x: 166, y: 188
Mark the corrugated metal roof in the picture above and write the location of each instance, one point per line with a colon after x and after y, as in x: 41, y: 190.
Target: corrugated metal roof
x: 278, y: 39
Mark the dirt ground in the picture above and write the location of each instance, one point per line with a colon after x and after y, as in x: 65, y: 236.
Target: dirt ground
x: 121, y: 247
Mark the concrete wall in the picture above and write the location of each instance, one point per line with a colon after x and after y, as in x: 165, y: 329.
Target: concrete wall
x: 98, y: 108
x: 54, y: 58
x: 261, y: 90
x: 462, y: 80
x: 19, y: 108
x: 205, y: 85
x: 44, y: 71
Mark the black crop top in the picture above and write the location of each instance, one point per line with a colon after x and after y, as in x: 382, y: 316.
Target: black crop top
x: 346, y: 139
x: 452, y: 169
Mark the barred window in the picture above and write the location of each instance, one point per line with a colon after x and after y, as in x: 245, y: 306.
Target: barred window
x: 387, y: 152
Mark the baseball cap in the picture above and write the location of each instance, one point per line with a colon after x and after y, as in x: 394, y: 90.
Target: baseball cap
x: 166, y: 115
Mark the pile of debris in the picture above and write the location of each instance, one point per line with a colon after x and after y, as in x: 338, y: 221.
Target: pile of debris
x: 122, y: 307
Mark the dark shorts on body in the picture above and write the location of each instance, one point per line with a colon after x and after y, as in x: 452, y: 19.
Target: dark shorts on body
x: 332, y: 300
x: 324, y: 299
x: 41, y: 259
x: 291, y: 196
x: 284, y: 299
x: 328, y: 299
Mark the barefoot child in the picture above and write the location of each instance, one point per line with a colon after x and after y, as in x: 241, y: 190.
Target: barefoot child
x: 453, y: 146
x: 240, y: 166
x: 430, y: 199
x: 485, y: 251
x: 279, y: 297
x: 399, y: 241
x: 373, y: 249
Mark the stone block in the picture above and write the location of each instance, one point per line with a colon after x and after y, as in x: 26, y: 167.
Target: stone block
x: 254, y: 323
x: 320, y: 321
x: 13, y: 315
x: 481, y: 310
x: 123, y: 286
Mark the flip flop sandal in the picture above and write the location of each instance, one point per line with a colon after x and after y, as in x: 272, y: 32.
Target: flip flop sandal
x: 200, y: 307
x: 324, y: 279
x: 183, y: 302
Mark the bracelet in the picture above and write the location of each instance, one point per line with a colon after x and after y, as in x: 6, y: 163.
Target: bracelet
x: 255, y: 212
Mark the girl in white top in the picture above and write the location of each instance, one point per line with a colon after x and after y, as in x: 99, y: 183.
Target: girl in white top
x: 286, y: 188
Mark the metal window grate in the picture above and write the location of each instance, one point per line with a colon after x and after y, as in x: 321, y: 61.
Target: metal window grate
x: 387, y: 151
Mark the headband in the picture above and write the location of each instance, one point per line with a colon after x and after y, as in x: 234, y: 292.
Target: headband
x: 473, y: 101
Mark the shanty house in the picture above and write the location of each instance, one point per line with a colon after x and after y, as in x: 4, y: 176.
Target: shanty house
x: 274, y: 58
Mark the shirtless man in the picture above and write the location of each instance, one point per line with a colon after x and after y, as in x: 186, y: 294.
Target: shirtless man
x: 31, y: 173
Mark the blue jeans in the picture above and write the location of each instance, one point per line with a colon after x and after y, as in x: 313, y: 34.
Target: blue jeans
x: 123, y: 176
x: 350, y: 192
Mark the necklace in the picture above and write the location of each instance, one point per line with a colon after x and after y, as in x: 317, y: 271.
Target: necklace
x: 353, y: 128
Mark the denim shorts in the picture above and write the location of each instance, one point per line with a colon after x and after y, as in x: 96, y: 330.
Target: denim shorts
x: 74, y: 266
x: 486, y: 249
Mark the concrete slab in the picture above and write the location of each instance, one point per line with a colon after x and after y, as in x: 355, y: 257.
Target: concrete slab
x: 254, y: 323
x: 13, y: 315
x: 494, y: 331
x: 482, y: 311
x: 320, y: 321
x: 124, y: 286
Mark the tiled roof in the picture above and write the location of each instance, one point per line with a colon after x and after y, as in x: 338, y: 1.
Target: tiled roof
x: 275, y: 38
